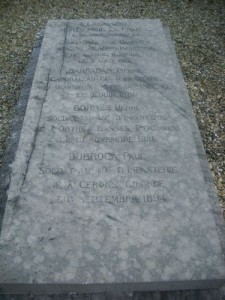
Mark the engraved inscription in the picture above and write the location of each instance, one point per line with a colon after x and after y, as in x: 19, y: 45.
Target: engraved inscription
x: 107, y: 124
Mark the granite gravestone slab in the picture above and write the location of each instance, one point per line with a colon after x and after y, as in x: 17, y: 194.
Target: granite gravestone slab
x: 110, y: 187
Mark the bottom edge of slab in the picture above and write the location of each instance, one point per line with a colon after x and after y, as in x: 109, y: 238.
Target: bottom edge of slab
x: 60, y: 288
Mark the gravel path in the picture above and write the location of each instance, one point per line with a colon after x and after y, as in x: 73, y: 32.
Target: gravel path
x: 197, y: 29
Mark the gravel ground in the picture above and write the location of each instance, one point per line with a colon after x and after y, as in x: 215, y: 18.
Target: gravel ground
x: 197, y: 29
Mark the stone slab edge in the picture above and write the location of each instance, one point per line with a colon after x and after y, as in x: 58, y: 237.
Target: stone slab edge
x: 178, y: 295
x: 13, y: 139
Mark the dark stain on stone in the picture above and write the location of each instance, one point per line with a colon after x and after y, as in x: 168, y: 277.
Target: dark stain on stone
x: 112, y: 218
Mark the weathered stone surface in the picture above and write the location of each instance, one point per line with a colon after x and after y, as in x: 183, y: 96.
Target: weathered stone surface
x: 109, y: 187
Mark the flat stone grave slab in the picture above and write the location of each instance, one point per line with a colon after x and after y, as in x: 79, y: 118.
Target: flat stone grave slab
x: 110, y: 188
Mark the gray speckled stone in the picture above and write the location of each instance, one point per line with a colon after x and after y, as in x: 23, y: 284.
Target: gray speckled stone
x: 110, y: 189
